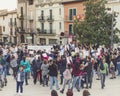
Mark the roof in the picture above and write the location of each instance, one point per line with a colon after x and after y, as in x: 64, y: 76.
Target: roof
x: 71, y: 1
x: 12, y: 11
x: 5, y: 12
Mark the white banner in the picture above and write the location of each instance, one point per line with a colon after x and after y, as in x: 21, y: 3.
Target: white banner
x: 47, y: 48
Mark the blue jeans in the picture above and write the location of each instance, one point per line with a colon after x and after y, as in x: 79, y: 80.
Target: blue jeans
x: 19, y: 85
x: 65, y: 83
x: 26, y: 78
x: 4, y: 71
x: 118, y: 67
x: 103, y: 75
x: 76, y: 79
x: 52, y: 80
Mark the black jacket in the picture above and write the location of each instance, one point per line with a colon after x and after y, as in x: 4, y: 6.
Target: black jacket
x: 53, y: 70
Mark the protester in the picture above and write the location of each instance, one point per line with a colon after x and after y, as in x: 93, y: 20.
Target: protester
x: 36, y: 67
x: 20, y: 80
x: 54, y: 93
x: 26, y: 65
x: 86, y: 93
x: 53, y: 73
x: 67, y: 78
x: 44, y: 69
x: 14, y: 65
x: 103, y: 72
x: 69, y: 93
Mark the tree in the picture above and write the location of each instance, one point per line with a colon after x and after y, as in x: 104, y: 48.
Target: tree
x: 97, y: 25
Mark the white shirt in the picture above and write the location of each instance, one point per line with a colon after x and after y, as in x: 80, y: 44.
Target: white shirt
x: 18, y: 78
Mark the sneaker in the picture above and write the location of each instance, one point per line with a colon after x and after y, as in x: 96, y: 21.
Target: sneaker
x: 62, y: 91
x: 97, y: 79
x: 111, y: 77
x: 20, y: 94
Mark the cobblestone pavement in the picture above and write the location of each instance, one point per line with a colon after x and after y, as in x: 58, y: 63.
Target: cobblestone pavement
x: 112, y: 88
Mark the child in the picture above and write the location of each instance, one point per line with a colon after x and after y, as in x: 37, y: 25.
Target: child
x: 20, y: 79
x: 67, y: 78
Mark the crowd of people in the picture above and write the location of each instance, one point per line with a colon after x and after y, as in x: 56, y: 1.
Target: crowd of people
x: 74, y: 64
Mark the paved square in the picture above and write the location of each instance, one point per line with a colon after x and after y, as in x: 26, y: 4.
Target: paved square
x: 112, y: 88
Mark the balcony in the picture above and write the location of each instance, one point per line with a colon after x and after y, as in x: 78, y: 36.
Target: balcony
x: 10, y: 24
x: 30, y: 18
x: 41, y: 18
x: 47, y: 33
x: 68, y: 19
x: 50, y: 18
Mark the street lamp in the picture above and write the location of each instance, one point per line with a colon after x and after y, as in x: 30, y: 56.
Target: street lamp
x: 112, y: 29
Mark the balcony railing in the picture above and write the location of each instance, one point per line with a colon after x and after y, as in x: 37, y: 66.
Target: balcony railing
x: 41, y: 18
x: 68, y: 18
x: 47, y: 32
x: 50, y: 18
x: 30, y: 18
x: 10, y: 24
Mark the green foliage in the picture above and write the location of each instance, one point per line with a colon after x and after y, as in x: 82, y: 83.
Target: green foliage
x: 97, y: 25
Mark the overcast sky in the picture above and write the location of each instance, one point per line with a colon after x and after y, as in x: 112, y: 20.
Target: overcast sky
x: 8, y: 4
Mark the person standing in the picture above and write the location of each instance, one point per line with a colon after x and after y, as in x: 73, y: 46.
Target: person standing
x: 14, y: 65
x: 7, y: 59
x: 77, y: 73
x: 20, y: 80
x: 67, y: 78
x: 26, y: 65
x: 103, y: 71
x: 53, y: 73
x: 36, y: 67
x: 88, y: 70
x: 44, y: 69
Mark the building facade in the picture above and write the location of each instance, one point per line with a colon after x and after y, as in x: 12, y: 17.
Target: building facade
x: 49, y: 21
x: 8, y: 22
x: 72, y: 8
x: 26, y: 21
x: 115, y: 7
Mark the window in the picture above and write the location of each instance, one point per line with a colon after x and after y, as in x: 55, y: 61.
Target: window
x: 42, y: 15
x: 52, y: 41
x: 70, y: 29
x: 15, y: 21
x: 42, y: 41
x: 3, y: 28
x: 0, y: 29
x: 72, y: 12
x: 60, y: 27
x: 59, y: 11
x: 51, y: 30
x: 21, y: 11
x: 42, y: 27
x: 10, y: 21
x: 50, y: 14
x: 3, y: 17
x: 30, y: 2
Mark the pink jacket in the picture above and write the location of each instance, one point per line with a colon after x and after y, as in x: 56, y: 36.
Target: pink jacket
x: 67, y: 74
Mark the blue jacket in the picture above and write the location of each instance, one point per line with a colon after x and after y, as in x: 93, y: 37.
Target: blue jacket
x: 26, y: 65
x: 22, y: 75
